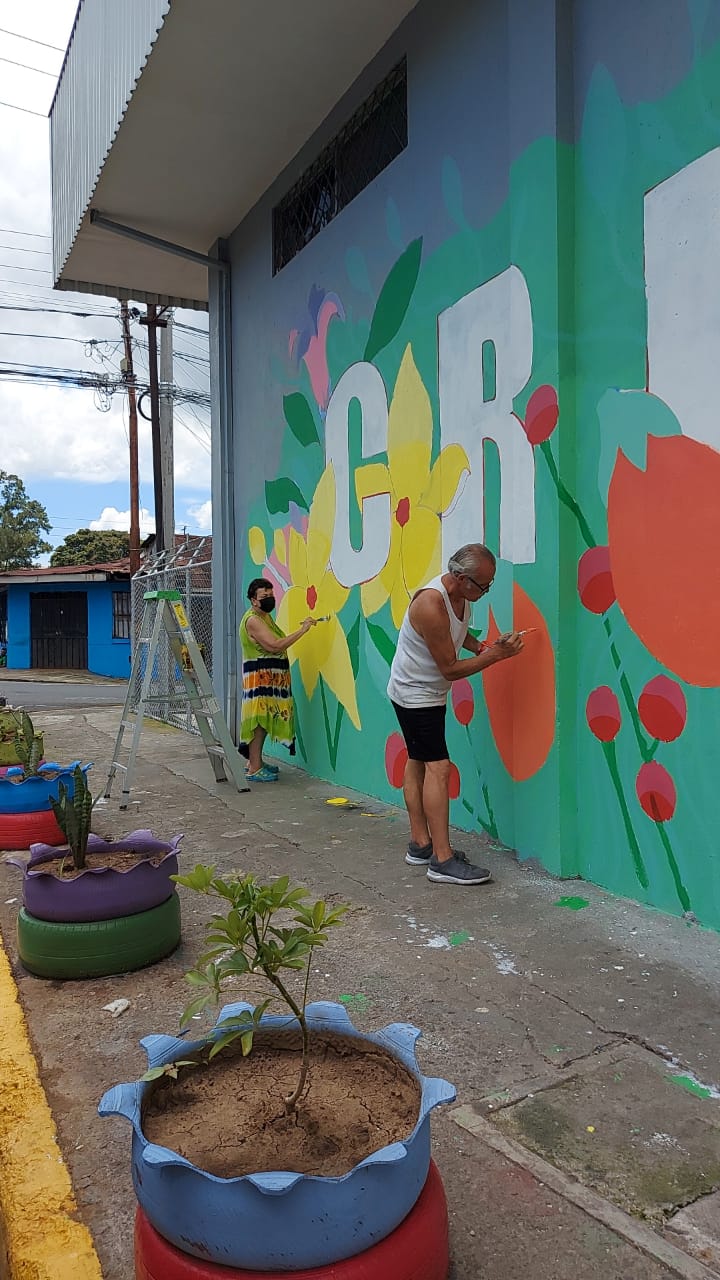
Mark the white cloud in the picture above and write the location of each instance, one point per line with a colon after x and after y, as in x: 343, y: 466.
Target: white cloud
x: 201, y: 513
x: 111, y: 518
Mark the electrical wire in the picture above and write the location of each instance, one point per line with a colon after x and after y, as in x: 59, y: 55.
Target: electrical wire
x: 31, y: 40
x: 16, y: 248
x: 12, y: 231
x: 14, y: 107
x: 53, y: 74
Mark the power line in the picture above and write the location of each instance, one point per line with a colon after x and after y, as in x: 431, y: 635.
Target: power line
x: 14, y: 107
x: 31, y: 40
x: 18, y: 248
x: 41, y: 271
x: 25, y: 66
x: 13, y: 231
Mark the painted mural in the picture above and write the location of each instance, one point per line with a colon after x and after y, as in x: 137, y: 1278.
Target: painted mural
x: 562, y: 409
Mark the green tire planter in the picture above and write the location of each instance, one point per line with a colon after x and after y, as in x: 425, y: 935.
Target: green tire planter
x: 98, y: 948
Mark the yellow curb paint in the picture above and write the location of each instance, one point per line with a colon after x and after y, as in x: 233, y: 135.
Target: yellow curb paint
x: 39, y: 1228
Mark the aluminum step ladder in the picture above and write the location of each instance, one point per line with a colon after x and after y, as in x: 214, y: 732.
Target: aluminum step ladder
x: 164, y: 612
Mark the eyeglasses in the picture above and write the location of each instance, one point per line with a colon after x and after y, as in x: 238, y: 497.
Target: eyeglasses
x: 483, y: 587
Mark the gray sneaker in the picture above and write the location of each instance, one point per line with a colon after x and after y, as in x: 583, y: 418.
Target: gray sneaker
x: 418, y: 855
x: 456, y: 870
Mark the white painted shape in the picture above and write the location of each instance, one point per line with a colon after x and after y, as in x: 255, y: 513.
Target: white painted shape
x: 499, y: 311
x: 682, y: 276
x: 360, y: 382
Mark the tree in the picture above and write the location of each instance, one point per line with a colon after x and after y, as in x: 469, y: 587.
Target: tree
x: 22, y: 524
x: 92, y: 546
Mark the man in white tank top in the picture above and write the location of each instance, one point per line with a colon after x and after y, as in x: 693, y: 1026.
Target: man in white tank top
x: 427, y: 660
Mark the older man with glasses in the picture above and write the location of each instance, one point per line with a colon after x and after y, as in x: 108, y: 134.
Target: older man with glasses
x: 426, y: 662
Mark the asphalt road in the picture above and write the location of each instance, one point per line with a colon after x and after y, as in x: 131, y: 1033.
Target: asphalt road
x: 36, y: 695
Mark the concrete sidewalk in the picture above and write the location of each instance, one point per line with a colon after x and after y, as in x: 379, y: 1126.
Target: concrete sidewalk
x: 55, y: 676
x: 581, y: 1030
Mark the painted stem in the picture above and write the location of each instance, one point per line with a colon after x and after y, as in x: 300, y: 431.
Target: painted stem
x: 611, y: 760
x: 328, y: 733
x: 682, y: 893
x: 489, y: 825
x: 627, y: 695
x: 565, y: 496
x: 299, y: 737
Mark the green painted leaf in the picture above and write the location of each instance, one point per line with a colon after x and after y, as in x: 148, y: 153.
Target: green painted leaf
x: 394, y: 300
x: 384, y: 645
x: 353, y: 643
x: 280, y: 493
x: 626, y: 419
x: 299, y: 417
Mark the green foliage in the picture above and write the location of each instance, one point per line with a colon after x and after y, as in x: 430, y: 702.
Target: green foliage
x: 22, y: 523
x: 28, y: 744
x: 264, y: 930
x: 299, y: 417
x: 394, y: 300
x: 73, y: 815
x: 280, y: 493
x: 384, y: 645
x: 92, y: 546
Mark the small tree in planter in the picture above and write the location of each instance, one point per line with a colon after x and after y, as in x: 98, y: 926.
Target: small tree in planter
x: 249, y: 940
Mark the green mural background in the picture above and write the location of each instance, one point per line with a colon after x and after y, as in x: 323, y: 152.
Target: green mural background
x: 613, y: 777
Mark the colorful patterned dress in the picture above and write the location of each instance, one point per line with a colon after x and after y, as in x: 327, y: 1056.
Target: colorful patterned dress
x: 267, y: 696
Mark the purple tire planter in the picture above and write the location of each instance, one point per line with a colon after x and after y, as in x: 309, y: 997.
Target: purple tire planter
x: 19, y: 794
x: 100, y: 893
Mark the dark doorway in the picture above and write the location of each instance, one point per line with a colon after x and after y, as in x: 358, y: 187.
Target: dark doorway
x: 59, y: 629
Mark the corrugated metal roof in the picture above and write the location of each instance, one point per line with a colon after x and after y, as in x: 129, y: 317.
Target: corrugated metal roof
x: 90, y: 102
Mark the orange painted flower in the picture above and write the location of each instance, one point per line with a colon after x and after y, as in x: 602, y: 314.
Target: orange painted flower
x: 520, y: 693
x: 664, y: 533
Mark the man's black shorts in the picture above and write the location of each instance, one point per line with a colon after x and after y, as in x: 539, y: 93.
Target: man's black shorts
x: 423, y: 729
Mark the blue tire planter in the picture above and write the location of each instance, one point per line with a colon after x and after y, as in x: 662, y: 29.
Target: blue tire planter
x: 280, y: 1221
x: 19, y: 794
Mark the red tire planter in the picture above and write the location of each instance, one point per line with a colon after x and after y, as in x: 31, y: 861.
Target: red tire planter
x: 416, y: 1250
x: 20, y: 830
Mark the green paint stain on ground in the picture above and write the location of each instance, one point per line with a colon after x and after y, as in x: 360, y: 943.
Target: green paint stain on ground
x: 457, y: 939
x: 692, y: 1086
x: 572, y: 904
x: 358, y: 1000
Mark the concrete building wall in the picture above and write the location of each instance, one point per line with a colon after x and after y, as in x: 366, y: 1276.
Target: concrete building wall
x: 509, y: 336
x: 106, y: 655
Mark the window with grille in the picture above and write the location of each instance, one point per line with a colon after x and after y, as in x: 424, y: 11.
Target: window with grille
x: 371, y: 139
x: 121, y: 615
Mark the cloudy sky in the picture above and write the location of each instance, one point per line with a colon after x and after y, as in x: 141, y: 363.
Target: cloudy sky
x: 68, y: 447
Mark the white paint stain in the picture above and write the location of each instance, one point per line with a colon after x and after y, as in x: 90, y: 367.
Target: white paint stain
x: 504, y: 961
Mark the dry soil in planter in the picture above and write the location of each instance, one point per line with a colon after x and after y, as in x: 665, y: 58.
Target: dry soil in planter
x: 228, y: 1118
x: 120, y: 860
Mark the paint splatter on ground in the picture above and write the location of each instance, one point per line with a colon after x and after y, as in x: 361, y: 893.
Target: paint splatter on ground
x: 572, y: 903
x: 694, y: 1086
x: 457, y: 939
x: 504, y: 961
x: 356, y: 1000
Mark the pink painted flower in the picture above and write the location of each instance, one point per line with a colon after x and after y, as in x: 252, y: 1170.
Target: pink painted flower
x: 541, y: 414
x: 463, y: 701
x: 663, y: 709
x: 310, y: 343
x: 603, y: 713
x: 595, y: 583
x: 656, y: 791
x: 396, y: 757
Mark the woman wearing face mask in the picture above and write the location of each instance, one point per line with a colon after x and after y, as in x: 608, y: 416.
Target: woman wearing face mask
x: 267, y: 705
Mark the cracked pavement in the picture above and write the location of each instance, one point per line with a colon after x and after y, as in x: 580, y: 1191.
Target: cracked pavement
x: 520, y: 1002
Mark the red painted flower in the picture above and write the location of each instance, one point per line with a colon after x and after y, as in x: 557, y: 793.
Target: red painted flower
x: 656, y: 791
x: 311, y: 597
x: 463, y: 701
x: 595, y: 583
x: 454, y: 782
x: 663, y: 709
x: 395, y: 759
x: 603, y: 713
x: 402, y: 512
x: 541, y: 415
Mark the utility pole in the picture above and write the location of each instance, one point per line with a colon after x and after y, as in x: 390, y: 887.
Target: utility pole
x: 167, y: 460
x: 129, y: 376
x: 153, y: 321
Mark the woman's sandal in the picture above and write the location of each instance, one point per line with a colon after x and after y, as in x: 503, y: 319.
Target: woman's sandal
x: 262, y: 775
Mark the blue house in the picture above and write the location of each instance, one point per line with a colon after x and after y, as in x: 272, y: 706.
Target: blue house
x: 74, y: 617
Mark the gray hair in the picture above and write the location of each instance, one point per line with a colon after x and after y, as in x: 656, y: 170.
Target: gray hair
x: 466, y: 559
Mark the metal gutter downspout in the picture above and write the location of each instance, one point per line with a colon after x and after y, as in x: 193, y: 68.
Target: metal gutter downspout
x: 224, y: 558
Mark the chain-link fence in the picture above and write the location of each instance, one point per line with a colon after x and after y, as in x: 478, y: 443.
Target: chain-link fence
x: 188, y: 570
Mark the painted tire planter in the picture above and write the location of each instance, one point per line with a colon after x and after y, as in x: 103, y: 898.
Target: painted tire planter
x: 281, y: 1221
x: 30, y: 795
x: 416, y: 1250
x: 100, y: 893
x: 99, y: 948
x: 20, y: 830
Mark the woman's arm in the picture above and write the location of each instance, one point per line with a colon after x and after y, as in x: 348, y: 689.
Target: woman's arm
x: 267, y: 640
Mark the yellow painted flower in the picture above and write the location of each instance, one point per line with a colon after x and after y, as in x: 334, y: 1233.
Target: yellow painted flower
x: 315, y: 591
x: 419, y: 495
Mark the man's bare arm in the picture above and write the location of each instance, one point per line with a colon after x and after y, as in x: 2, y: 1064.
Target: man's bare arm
x: 428, y: 616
